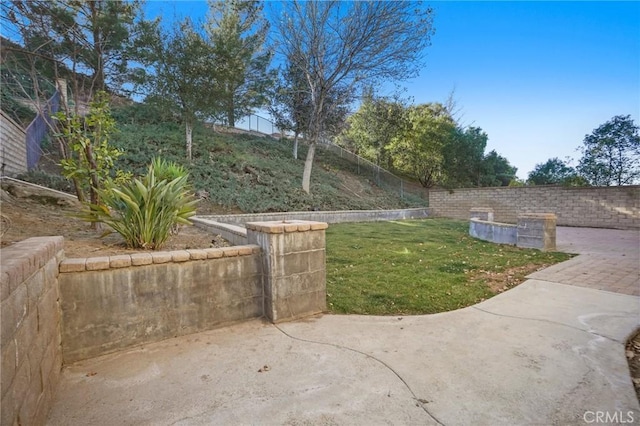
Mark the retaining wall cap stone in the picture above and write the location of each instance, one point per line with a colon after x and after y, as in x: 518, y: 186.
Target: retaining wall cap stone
x: 97, y: 263
x: 214, y: 253
x: 120, y: 261
x: 161, y: 256
x: 73, y: 265
x: 279, y: 227
x: 180, y: 256
x: 139, y: 259
x: 537, y: 216
x: 197, y: 254
x: 230, y: 251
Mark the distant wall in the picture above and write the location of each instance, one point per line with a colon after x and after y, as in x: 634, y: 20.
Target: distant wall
x: 600, y: 207
x: 325, y: 216
x: 13, y: 147
x: 30, y: 329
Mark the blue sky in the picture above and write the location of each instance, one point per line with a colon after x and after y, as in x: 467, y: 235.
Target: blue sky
x: 535, y: 76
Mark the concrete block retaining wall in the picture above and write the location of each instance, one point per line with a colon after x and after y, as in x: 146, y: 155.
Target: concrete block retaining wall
x: 236, y: 235
x: 533, y: 230
x: 602, y: 207
x: 30, y: 329
x: 500, y: 233
x: 293, y: 266
x: 57, y: 310
x: 111, y: 303
x: 326, y: 216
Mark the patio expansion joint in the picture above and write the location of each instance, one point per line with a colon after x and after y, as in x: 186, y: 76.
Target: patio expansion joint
x: 593, y: 333
x: 419, y: 402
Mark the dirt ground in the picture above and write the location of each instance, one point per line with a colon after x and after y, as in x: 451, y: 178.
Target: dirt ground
x: 633, y: 357
x: 26, y: 212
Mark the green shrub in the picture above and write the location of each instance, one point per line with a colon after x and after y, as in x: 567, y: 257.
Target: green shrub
x: 146, y: 209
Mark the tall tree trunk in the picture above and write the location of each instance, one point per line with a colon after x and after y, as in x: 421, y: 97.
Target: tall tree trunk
x: 295, y: 145
x: 95, y: 184
x: 308, y: 164
x: 189, y: 133
x: 231, y: 117
x: 98, y: 75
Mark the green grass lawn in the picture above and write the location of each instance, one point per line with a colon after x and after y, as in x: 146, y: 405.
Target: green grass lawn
x: 420, y: 267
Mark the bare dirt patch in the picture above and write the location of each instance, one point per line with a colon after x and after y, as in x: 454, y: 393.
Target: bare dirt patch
x: 499, y: 282
x: 27, y: 211
x: 633, y: 357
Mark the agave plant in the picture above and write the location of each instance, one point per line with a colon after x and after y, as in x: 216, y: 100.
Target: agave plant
x: 146, y: 209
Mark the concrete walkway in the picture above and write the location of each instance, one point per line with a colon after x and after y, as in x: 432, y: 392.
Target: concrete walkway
x: 542, y: 353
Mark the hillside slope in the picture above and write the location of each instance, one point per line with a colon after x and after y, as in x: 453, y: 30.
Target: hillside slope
x: 245, y: 173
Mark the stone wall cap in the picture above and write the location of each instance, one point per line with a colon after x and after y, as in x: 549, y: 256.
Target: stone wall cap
x: 537, y: 216
x: 282, y: 226
x: 73, y: 265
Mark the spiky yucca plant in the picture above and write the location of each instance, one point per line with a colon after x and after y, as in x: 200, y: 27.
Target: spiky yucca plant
x: 146, y: 209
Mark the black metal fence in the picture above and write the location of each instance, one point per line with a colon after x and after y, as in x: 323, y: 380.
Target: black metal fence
x: 39, y: 128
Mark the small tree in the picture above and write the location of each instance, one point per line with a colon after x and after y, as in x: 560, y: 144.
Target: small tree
x: 237, y: 32
x: 91, y: 158
x: 611, y: 153
x: 180, y: 74
x: 290, y: 103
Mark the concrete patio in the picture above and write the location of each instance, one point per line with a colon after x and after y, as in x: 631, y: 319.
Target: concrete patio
x: 550, y: 351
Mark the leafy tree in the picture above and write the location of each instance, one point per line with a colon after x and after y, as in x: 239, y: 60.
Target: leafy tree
x: 611, y: 153
x: 179, y: 74
x: 374, y: 125
x: 495, y: 170
x: 290, y: 103
x: 93, y: 36
x: 554, y: 172
x: 237, y: 31
x: 340, y: 45
x: 91, y: 160
x: 418, y: 150
x: 462, y: 157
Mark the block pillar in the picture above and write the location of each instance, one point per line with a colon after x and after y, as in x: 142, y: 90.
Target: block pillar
x: 293, y: 267
x: 482, y: 213
x: 537, y: 230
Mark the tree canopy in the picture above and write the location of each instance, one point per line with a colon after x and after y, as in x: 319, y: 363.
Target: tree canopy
x: 554, y: 172
x: 340, y: 45
x: 93, y: 37
x: 611, y: 153
x: 237, y: 32
x: 179, y: 67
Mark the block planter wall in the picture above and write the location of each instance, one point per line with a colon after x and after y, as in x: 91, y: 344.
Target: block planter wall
x: 115, y: 302
x: 534, y: 230
x: 293, y: 267
x: 30, y: 329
